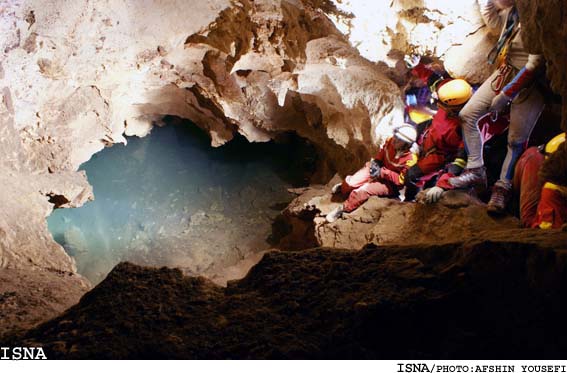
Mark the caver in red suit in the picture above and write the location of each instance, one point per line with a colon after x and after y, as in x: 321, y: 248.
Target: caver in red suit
x: 489, y: 127
x: 542, y: 204
x: 361, y: 186
x: 440, y: 144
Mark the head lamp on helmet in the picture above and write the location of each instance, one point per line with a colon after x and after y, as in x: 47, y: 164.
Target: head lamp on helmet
x: 406, y: 133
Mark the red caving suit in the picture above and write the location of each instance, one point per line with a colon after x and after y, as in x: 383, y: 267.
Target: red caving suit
x: 440, y: 143
x: 541, y: 206
x: 360, y: 186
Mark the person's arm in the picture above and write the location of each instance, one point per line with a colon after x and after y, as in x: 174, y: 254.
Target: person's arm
x: 380, y: 155
x: 398, y: 178
x: 522, y: 79
x: 491, y: 15
x: 377, y: 162
x: 525, y: 76
x: 549, y: 207
x: 454, y: 140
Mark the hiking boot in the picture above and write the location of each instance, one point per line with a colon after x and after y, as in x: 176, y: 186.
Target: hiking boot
x: 469, y: 178
x: 337, y: 188
x: 499, y: 198
x: 335, y: 214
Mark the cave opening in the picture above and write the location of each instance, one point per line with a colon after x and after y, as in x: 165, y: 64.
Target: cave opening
x: 170, y: 199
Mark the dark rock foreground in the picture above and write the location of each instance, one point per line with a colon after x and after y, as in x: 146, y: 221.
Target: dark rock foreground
x: 494, y: 299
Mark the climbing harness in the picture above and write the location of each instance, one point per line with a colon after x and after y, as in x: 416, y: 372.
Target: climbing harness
x: 500, y: 50
x: 501, y: 79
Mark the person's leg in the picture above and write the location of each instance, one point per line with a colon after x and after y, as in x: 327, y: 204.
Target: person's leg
x: 478, y: 105
x: 358, y: 179
x: 360, y: 195
x: 524, y: 113
x: 349, y: 187
x: 523, y: 118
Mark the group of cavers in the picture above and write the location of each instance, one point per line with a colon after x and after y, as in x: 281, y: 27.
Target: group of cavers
x: 448, y: 122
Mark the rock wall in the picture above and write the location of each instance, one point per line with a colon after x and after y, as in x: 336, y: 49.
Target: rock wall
x: 450, y: 30
x: 545, y: 25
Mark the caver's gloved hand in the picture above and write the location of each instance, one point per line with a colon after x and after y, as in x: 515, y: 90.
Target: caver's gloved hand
x: 375, y: 169
x: 500, y: 102
x: 434, y: 194
x: 522, y: 80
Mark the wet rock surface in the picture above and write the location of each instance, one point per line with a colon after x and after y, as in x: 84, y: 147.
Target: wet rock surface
x: 494, y: 299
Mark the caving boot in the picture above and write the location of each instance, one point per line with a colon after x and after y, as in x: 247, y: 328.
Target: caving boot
x: 336, y: 189
x: 335, y: 214
x: 471, y: 177
x: 499, y: 198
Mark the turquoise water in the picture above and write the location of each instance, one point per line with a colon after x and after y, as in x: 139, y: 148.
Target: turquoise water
x: 171, y: 199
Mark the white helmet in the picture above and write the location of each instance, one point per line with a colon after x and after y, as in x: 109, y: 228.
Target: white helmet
x: 406, y: 133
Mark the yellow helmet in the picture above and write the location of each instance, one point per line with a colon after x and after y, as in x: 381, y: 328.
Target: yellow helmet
x: 455, y: 92
x: 554, y: 143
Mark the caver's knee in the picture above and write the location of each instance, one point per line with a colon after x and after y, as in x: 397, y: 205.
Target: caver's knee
x: 359, y: 194
x: 469, y: 114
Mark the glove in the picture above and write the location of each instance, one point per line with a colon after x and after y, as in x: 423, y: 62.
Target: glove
x: 434, y: 194
x: 375, y: 169
x: 500, y: 102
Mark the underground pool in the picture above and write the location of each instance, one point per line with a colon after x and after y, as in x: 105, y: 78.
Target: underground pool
x: 170, y: 199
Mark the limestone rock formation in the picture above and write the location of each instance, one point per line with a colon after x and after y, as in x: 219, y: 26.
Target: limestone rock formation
x: 452, y: 31
x: 545, y: 25
x: 76, y: 77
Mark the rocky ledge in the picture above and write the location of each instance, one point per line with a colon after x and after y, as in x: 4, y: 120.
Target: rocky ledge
x: 457, y: 217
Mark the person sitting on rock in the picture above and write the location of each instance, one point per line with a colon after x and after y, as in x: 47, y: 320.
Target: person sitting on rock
x: 543, y: 199
x: 383, y: 176
x: 441, y: 144
x: 511, y: 86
